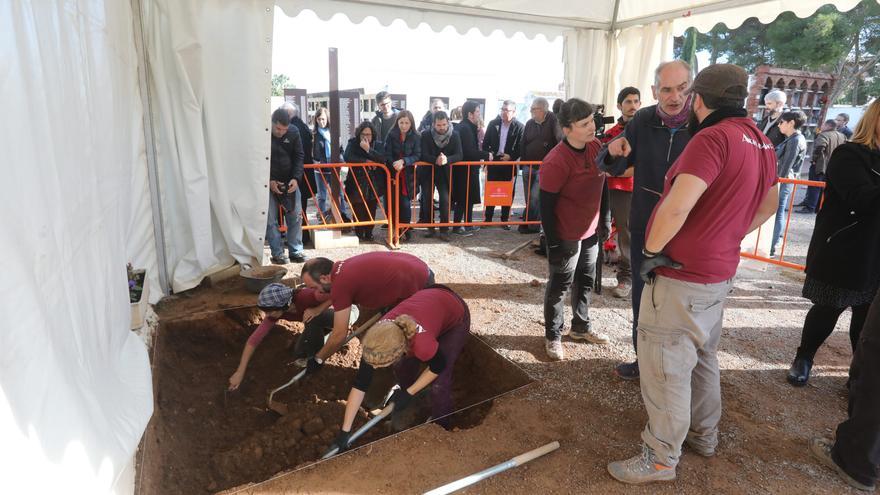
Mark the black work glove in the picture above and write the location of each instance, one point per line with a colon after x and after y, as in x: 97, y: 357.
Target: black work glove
x: 400, y: 398
x: 650, y: 263
x: 313, y: 366
x: 341, y: 441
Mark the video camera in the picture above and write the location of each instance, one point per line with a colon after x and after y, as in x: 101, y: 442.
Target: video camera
x: 600, y: 119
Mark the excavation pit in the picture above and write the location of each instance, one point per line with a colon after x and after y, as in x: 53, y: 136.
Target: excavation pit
x: 203, y: 439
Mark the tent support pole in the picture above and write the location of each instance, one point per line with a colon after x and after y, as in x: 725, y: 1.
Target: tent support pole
x: 150, y: 145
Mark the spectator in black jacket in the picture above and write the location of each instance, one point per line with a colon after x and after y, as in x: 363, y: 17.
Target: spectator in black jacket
x: 842, y: 121
x: 327, y: 178
x: 823, y: 146
x: 540, y: 134
x: 427, y: 122
x: 285, y: 175
x: 502, y: 140
x: 305, y: 134
x: 361, y: 185
x: 774, y: 103
x: 843, y: 268
x: 466, y: 179
x: 441, y: 146
x: 403, y: 148
x: 650, y: 144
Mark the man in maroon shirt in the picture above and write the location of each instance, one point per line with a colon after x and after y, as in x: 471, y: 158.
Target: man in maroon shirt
x: 374, y: 282
x: 721, y: 187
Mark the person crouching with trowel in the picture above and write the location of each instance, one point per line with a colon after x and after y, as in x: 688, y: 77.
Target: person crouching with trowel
x: 280, y: 302
x: 374, y: 282
x: 431, y: 326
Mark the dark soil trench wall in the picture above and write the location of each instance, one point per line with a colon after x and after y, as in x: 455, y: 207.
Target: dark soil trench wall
x: 202, y: 440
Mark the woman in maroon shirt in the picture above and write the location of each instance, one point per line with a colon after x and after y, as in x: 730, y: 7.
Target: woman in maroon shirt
x: 431, y: 327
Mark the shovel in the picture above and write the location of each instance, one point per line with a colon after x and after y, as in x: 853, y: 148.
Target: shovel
x: 510, y: 255
x: 363, y: 429
x: 280, y: 407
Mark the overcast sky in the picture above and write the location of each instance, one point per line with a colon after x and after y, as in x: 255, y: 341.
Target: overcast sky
x: 417, y: 62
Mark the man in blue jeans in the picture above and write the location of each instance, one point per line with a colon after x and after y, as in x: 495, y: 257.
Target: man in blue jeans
x: 285, y: 175
x: 790, y: 155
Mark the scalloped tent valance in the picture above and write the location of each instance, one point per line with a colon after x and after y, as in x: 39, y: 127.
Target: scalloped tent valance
x: 552, y: 18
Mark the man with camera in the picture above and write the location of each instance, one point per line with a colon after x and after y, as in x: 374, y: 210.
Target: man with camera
x: 285, y: 174
x: 649, y: 145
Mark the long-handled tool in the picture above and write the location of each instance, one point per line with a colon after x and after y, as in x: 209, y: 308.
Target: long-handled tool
x: 507, y: 255
x: 280, y: 407
x: 363, y: 429
x: 492, y: 471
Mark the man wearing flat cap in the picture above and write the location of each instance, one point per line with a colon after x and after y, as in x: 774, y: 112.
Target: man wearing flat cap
x: 722, y: 187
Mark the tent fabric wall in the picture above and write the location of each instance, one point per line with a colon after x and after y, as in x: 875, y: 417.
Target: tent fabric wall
x: 209, y: 79
x: 585, y: 57
x: 75, y: 385
x: 634, y: 54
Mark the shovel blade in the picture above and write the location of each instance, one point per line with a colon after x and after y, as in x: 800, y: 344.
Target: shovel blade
x: 278, y: 407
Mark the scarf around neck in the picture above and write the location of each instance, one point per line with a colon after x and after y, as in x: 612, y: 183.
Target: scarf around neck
x: 441, y: 140
x: 676, y: 121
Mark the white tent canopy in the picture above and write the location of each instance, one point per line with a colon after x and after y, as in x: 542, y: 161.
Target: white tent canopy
x: 138, y: 131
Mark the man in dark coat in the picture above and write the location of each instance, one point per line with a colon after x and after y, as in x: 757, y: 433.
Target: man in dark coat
x: 503, y: 137
x: 774, y: 103
x: 466, y: 179
x: 825, y: 143
x: 650, y: 143
x: 540, y: 134
x: 305, y: 135
x: 441, y: 146
x: 285, y: 176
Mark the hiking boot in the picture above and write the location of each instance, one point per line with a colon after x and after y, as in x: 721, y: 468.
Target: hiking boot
x: 298, y: 258
x: 472, y: 229
x: 622, y: 290
x: 279, y: 260
x: 627, y: 371
x: 589, y: 335
x: 554, y: 349
x: 642, y: 468
x: 698, y: 448
x: 799, y: 373
x: 462, y: 232
x: 821, y: 450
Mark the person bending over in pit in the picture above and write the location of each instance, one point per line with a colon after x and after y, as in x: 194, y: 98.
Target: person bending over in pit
x: 431, y: 327
x: 280, y: 302
x: 375, y: 282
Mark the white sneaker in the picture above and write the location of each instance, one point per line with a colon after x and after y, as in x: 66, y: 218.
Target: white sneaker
x: 621, y: 291
x: 554, y: 349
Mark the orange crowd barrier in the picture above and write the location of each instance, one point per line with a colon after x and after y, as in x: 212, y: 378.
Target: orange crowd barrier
x: 779, y: 258
x: 356, y: 197
x: 401, y: 228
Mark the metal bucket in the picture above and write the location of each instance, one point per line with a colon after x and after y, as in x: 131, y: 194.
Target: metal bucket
x: 255, y: 278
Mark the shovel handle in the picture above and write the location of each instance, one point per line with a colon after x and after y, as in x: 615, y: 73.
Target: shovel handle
x: 363, y: 429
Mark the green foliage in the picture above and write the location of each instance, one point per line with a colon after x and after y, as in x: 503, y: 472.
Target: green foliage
x: 846, y: 44
x: 279, y: 83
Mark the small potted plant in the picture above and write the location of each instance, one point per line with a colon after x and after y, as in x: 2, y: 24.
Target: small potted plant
x: 138, y: 295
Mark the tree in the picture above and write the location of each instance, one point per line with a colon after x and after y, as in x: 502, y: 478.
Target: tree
x: 845, y: 44
x: 279, y: 83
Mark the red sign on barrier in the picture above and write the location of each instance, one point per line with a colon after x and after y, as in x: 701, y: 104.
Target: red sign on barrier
x: 498, y: 193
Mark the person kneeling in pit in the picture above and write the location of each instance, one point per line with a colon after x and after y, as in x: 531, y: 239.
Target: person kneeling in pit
x: 281, y: 302
x: 431, y: 326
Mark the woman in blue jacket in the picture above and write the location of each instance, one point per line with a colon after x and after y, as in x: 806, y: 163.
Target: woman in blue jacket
x: 402, y: 150
x: 325, y: 177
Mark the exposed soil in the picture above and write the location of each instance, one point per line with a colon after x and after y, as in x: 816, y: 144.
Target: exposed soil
x: 596, y: 417
x: 205, y: 439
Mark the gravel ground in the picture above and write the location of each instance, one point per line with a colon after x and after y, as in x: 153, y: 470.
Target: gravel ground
x: 596, y: 417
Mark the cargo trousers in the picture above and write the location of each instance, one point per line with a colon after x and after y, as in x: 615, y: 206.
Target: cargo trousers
x: 678, y: 333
